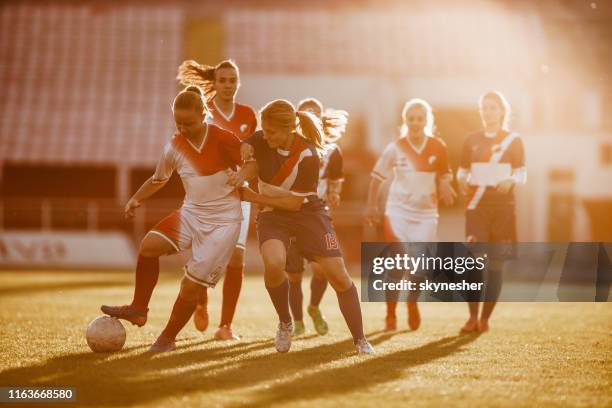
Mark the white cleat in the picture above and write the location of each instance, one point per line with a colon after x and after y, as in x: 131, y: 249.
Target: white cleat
x: 282, y: 342
x: 364, y: 347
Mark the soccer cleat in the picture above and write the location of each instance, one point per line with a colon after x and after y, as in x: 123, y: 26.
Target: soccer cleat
x: 390, y: 323
x: 470, y: 326
x: 126, y: 312
x: 162, y: 344
x: 282, y: 342
x: 320, y: 324
x: 225, y: 333
x: 298, y: 328
x: 200, y: 318
x: 364, y: 347
x: 414, y: 317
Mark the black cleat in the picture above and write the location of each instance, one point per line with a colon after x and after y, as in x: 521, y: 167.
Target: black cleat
x: 126, y: 312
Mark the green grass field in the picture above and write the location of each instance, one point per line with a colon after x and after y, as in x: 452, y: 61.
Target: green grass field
x: 546, y: 354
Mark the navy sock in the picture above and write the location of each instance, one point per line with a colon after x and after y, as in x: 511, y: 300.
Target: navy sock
x: 317, y: 289
x: 280, y: 299
x: 351, y: 310
x: 296, y: 299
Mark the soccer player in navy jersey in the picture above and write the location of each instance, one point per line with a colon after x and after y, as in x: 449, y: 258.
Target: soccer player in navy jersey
x: 492, y: 163
x: 329, y: 188
x: 285, y: 156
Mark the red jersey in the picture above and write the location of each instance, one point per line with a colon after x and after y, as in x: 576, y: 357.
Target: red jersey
x: 242, y: 121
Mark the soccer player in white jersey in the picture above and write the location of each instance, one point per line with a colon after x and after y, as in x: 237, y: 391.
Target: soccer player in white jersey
x: 329, y: 188
x: 220, y: 84
x: 417, y: 165
x: 208, y: 222
x: 492, y: 163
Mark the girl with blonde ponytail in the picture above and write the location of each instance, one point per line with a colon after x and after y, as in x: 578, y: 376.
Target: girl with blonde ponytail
x: 284, y: 156
x: 331, y: 177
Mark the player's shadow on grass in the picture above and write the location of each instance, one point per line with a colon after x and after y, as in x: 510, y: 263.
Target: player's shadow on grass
x: 368, y: 372
x: 134, y: 377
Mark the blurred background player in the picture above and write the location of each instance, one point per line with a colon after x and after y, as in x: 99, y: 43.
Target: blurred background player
x: 220, y: 84
x: 492, y: 163
x: 331, y: 177
x: 418, y: 167
x: 208, y: 222
x: 287, y: 163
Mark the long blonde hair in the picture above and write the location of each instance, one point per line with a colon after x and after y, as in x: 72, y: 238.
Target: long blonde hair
x: 429, y: 117
x: 333, y: 121
x: 191, y: 72
x: 280, y: 113
x: 501, y: 100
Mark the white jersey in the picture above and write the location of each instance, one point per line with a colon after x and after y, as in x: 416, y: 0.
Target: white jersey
x: 414, y: 172
x: 203, y: 173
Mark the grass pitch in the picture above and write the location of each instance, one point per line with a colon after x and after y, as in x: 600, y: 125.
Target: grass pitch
x: 545, y: 354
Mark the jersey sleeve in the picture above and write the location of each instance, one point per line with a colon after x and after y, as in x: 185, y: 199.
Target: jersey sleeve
x: 307, y: 179
x: 230, y: 145
x: 383, y: 169
x: 166, y: 165
x: 335, y: 165
x: 252, y: 121
x: 260, y: 146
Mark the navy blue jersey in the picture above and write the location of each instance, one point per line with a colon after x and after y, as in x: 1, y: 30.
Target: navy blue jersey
x: 503, y: 149
x: 282, y: 172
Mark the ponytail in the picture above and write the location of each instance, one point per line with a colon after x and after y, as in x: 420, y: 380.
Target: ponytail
x: 334, y: 124
x: 281, y: 113
x: 310, y: 129
x: 333, y: 121
x: 191, y: 72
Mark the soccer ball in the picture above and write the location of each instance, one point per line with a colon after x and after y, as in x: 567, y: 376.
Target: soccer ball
x: 105, y: 334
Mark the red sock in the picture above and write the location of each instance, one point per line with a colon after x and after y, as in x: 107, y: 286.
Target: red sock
x: 203, y: 298
x: 391, y: 306
x: 147, y: 273
x: 231, y: 290
x: 181, y: 313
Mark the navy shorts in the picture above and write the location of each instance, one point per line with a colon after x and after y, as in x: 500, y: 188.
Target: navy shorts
x: 494, y: 224
x: 309, y: 231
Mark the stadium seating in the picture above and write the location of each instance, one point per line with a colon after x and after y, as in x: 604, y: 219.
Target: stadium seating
x: 87, y: 84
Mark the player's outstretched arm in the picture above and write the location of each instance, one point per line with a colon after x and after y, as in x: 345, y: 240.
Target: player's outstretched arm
x: 145, y: 191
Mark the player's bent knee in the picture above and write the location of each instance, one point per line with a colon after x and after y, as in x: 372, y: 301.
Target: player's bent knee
x: 153, y: 246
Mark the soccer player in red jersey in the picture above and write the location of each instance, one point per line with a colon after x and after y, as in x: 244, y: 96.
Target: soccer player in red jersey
x: 286, y: 159
x: 329, y: 188
x: 417, y: 165
x: 492, y: 163
x: 220, y: 84
x: 208, y: 221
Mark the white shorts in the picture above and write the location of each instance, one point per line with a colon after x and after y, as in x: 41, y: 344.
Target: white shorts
x: 399, y: 228
x: 244, y: 227
x: 212, y: 245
